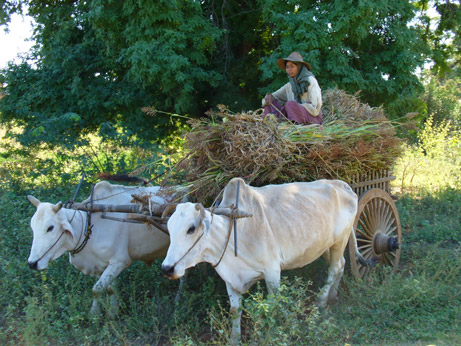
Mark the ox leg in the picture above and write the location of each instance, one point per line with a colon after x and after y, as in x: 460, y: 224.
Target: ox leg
x: 272, y: 279
x: 114, y: 304
x: 103, y: 284
x: 236, y: 314
x: 333, y: 293
x: 335, y: 272
x: 95, y: 308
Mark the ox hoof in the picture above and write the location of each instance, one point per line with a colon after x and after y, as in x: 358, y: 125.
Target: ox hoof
x: 333, y: 298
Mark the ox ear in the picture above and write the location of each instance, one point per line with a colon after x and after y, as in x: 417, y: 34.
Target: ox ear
x: 33, y: 200
x: 57, y: 207
x: 206, y: 226
x: 69, y: 230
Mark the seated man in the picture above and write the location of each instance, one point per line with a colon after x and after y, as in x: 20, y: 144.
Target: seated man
x: 300, y: 100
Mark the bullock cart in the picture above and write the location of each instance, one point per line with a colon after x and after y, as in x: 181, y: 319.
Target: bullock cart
x: 377, y: 224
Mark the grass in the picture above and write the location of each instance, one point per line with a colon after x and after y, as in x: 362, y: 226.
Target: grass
x: 419, y: 305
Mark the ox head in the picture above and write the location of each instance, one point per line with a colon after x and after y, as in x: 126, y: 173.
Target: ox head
x: 187, y: 226
x: 51, y: 233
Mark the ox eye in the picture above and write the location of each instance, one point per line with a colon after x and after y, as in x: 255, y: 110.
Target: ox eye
x: 50, y: 229
x: 191, y: 230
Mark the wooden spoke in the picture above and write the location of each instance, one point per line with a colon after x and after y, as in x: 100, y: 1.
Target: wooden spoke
x: 367, y: 223
x: 376, y: 214
x: 388, y: 221
x: 363, y: 271
x: 364, y: 242
x: 386, y: 259
x: 367, y: 252
x: 363, y: 231
x: 366, y: 246
x: 391, y: 230
x: 380, y: 210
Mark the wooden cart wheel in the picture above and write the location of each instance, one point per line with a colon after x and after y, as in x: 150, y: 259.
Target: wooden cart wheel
x: 378, y: 231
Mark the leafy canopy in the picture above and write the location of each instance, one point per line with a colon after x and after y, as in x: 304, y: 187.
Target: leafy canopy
x: 97, y: 63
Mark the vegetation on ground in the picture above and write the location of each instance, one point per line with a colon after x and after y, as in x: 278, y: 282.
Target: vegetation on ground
x: 419, y: 305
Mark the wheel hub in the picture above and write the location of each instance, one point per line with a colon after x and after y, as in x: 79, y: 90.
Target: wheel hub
x: 383, y: 243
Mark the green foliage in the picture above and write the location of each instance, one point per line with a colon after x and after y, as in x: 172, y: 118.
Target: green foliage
x: 364, y: 45
x: 432, y: 164
x: 431, y: 218
x: 97, y: 63
x: 443, y: 99
x: 276, y: 319
x: 417, y: 306
x: 442, y: 33
x: 7, y: 8
x: 22, y: 168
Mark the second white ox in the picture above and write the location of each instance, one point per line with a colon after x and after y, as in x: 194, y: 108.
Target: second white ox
x: 113, y: 245
x: 292, y: 225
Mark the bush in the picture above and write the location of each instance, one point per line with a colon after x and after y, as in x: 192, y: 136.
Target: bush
x: 432, y: 164
x: 431, y: 218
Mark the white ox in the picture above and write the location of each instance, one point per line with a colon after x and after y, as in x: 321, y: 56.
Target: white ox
x: 292, y: 225
x: 113, y: 245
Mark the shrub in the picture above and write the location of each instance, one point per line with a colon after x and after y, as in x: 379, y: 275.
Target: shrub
x: 432, y: 164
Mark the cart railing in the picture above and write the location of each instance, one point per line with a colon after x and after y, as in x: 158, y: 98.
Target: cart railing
x: 372, y: 179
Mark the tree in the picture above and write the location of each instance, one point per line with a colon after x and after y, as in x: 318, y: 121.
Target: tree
x: 443, y: 34
x: 440, y: 25
x: 7, y: 8
x: 98, y: 62
x: 354, y: 45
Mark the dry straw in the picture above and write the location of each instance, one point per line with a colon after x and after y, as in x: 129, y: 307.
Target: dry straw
x: 354, y: 138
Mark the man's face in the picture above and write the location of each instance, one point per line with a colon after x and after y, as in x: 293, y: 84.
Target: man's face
x: 292, y: 69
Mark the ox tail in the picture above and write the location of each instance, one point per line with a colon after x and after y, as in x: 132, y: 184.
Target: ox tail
x: 362, y: 260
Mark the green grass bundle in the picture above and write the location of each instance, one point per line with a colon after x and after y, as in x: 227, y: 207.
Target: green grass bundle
x: 354, y: 138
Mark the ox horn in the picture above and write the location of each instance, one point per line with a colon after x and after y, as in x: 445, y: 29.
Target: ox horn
x: 33, y: 200
x: 57, y: 207
x: 170, y: 208
x: 228, y: 212
x: 200, y: 207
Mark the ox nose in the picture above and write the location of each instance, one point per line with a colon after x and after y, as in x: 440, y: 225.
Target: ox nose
x: 33, y: 265
x: 167, y: 270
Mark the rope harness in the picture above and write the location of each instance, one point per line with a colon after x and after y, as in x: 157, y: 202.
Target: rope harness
x: 52, y: 246
x: 233, y: 213
x: 89, y: 227
x: 57, y: 240
x: 232, y: 222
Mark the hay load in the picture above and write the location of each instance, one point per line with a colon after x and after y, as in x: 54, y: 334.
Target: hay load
x: 354, y: 138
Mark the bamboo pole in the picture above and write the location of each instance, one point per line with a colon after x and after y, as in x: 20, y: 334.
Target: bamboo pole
x: 114, y: 208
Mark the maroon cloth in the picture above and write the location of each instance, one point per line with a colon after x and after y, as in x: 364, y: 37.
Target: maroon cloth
x: 293, y: 111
